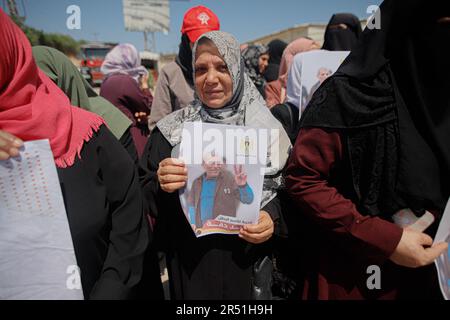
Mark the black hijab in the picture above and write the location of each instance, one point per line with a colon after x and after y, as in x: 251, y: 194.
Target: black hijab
x: 276, y: 49
x: 390, y: 99
x: 184, y: 59
x: 337, y: 39
x: 272, y: 72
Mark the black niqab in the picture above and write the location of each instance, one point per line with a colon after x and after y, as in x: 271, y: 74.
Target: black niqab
x: 337, y: 39
x: 390, y: 99
x: 272, y: 72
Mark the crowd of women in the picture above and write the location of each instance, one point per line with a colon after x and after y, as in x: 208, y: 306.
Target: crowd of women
x: 371, y: 141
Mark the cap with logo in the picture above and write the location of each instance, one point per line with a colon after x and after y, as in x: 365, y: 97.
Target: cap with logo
x: 199, y: 20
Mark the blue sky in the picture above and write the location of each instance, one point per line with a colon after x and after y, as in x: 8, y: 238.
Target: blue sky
x: 246, y: 19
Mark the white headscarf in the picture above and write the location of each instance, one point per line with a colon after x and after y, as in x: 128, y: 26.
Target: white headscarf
x: 294, y: 83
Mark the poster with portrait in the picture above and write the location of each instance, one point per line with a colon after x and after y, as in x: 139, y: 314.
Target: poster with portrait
x: 443, y: 262
x: 317, y: 66
x: 226, y: 167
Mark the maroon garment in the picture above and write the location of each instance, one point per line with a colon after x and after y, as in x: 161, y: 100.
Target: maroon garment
x: 124, y: 92
x: 339, y: 243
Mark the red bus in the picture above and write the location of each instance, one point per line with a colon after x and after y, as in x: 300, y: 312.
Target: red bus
x: 92, y: 57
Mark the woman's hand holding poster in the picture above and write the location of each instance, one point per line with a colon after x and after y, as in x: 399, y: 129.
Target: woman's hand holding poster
x: 225, y: 176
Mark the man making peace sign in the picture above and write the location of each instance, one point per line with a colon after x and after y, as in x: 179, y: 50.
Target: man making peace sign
x: 217, y: 191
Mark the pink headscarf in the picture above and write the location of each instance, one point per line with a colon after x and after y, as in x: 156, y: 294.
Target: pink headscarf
x: 32, y: 107
x: 295, y: 47
x: 276, y: 90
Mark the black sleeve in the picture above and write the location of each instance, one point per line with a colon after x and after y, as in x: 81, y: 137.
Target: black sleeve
x: 156, y: 150
x: 129, y: 235
x: 127, y: 142
x: 287, y: 114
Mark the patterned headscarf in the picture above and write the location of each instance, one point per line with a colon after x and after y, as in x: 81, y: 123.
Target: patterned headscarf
x: 246, y: 108
x: 251, y: 60
x: 124, y: 59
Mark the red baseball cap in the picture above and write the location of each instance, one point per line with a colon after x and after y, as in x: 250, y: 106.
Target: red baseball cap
x: 199, y: 20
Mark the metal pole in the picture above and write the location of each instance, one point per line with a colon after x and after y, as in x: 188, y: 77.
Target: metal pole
x: 153, y: 42
x: 13, y: 8
x: 145, y: 41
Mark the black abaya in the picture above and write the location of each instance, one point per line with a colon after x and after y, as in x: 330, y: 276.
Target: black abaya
x: 218, y: 267
x: 110, y: 233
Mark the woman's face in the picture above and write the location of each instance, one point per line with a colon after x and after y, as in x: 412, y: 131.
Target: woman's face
x: 212, y: 78
x: 263, y: 62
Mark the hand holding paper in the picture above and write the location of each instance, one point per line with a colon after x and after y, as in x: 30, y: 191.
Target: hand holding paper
x: 222, y: 188
x: 36, y: 248
x: 172, y: 175
x: 416, y: 249
x: 260, y: 232
x: 9, y: 145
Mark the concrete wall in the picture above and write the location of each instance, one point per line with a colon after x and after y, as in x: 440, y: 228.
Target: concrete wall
x: 314, y: 31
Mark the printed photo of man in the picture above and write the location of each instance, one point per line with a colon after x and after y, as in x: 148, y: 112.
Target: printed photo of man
x: 322, y: 74
x: 217, y: 191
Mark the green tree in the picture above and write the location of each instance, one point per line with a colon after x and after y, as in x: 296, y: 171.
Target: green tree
x: 62, y: 42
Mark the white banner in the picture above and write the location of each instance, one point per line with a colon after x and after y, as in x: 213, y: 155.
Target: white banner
x: 146, y: 15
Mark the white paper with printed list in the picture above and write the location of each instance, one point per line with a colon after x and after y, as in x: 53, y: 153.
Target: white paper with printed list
x: 443, y: 262
x: 37, y: 258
